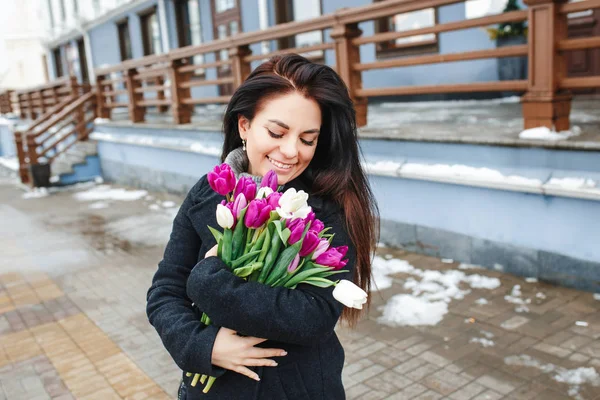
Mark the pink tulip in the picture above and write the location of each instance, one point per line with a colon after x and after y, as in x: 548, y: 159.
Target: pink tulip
x: 317, y: 226
x: 310, y: 243
x: 333, y: 257
x: 247, y: 186
x: 221, y: 179
x: 239, y: 204
x: 294, y: 264
x: 321, y: 248
x: 297, y: 230
x: 269, y: 180
x: 273, y: 199
x: 258, y: 213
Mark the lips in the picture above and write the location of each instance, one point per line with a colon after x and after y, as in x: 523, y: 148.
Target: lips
x: 280, y: 165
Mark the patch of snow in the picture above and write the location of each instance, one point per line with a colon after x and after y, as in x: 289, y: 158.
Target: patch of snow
x: 168, y: 204
x: 498, y: 267
x: 572, y: 183
x: 487, y: 334
x: 596, y: 296
x: 36, y: 193
x: 540, y: 295
x: 446, y: 103
x: 581, y: 323
x: 481, y: 301
x: 105, y: 192
x: 99, y: 180
x: 447, y: 260
x: 531, y: 280
x: 382, y: 167
x: 11, y: 163
x: 407, y: 310
x: 469, y: 266
x: 201, y: 148
x: 572, y: 377
x: 465, y: 172
x: 154, y: 207
x: 98, y: 205
x: 483, y: 341
x: 424, y: 306
x: 515, y: 298
x: 544, y: 133
x: 149, y: 198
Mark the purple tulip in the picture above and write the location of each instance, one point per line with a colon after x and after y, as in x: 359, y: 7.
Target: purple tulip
x: 221, y: 179
x: 269, y: 180
x: 297, y: 231
x: 258, y: 213
x: 294, y: 264
x: 310, y: 217
x: 273, y: 199
x: 321, y: 248
x: 333, y: 257
x: 317, y: 226
x: 310, y: 243
x: 247, y: 186
x: 238, y: 205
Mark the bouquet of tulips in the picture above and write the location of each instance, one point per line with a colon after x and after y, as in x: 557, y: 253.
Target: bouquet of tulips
x: 274, y: 238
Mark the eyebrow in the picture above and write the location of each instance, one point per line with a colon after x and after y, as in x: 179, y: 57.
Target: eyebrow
x: 281, y: 124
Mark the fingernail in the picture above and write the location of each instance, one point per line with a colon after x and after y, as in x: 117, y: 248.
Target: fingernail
x: 274, y: 364
x: 284, y: 353
x: 257, y: 378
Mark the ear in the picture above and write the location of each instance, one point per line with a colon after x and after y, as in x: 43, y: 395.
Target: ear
x: 243, y: 126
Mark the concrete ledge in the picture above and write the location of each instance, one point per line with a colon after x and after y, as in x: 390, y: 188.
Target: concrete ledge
x: 543, y: 265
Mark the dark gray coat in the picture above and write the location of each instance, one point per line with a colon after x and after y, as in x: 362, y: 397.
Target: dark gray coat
x: 301, y: 321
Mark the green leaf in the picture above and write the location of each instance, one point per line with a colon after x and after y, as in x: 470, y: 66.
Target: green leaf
x: 266, y: 243
x: 241, y: 260
x: 247, y: 270
x: 216, y: 234
x: 283, y: 261
x: 296, y: 279
x: 319, y: 282
x: 227, y: 242
x: 238, y: 236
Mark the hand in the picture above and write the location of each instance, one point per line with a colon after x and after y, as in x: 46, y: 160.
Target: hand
x: 211, y: 252
x: 236, y: 353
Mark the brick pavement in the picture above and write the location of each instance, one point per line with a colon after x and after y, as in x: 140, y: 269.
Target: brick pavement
x: 73, y: 281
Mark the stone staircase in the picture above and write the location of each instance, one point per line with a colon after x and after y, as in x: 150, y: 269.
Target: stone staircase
x: 80, y: 163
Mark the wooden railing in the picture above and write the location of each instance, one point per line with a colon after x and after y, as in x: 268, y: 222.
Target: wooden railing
x: 6, y: 106
x: 546, y: 101
x: 54, y: 133
x: 36, y: 101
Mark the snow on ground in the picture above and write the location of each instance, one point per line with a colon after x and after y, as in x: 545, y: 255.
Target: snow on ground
x: 168, y: 204
x: 572, y: 377
x: 596, y: 296
x: 10, y: 162
x: 446, y: 103
x: 429, y: 298
x: 105, y: 192
x: 515, y: 298
x: 544, y: 133
x: 98, y: 205
x: 572, y: 183
x: 483, y: 342
x: 36, y: 193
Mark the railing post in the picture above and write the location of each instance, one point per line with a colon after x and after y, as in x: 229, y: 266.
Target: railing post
x: 136, y: 112
x: 32, y: 114
x: 544, y: 104
x: 102, y: 111
x: 42, y: 104
x: 160, y: 94
x: 346, y: 55
x: 23, y: 170
x: 239, y: 67
x: 21, y: 106
x: 182, y: 113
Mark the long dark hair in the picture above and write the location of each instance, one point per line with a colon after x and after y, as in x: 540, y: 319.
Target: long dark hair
x: 335, y: 168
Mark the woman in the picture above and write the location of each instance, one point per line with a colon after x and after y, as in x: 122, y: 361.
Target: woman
x: 296, y: 118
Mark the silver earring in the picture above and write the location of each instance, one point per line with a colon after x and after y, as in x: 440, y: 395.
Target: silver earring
x: 243, y: 145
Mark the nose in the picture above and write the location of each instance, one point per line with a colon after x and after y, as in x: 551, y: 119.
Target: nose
x: 289, y: 147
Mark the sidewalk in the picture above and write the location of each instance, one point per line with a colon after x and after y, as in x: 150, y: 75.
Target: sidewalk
x: 75, y: 266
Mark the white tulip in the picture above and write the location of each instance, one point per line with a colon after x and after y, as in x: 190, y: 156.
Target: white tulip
x: 263, y: 192
x: 224, y: 217
x: 293, y: 204
x: 349, y: 294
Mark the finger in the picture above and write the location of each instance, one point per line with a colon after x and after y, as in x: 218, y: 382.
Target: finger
x: 259, y: 362
x: 266, y: 353
x: 240, y: 369
x: 253, y: 341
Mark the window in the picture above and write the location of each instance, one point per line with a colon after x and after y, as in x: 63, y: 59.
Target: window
x: 85, y: 77
x: 224, y: 5
x: 124, y: 40
x: 300, y: 10
x: 63, y: 14
x: 75, y: 9
x: 150, y: 33
x: 419, y: 44
x: 58, y: 69
x: 189, y: 28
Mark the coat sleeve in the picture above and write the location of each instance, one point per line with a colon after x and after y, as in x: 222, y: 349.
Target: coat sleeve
x: 169, y: 310
x: 305, y: 315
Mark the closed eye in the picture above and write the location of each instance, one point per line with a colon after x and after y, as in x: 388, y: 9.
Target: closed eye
x: 276, y: 136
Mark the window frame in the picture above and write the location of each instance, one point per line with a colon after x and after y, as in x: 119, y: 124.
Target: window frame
x: 124, y: 36
x: 391, y: 49
x: 184, y: 32
x: 58, y: 63
x: 147, y: 39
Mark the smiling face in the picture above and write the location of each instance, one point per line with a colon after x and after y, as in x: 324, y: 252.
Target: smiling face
x: 282, y: 136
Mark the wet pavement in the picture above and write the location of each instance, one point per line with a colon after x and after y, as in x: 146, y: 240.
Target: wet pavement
x: 74, y: 275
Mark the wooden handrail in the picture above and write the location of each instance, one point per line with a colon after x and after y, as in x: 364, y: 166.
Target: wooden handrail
x: 55, y: 83
x: 578, y: 6
x: 63, y: 113
x: 49, y: 114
